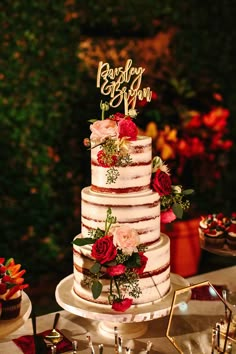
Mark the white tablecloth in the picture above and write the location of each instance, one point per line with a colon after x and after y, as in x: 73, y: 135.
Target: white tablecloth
x: 75, y: 327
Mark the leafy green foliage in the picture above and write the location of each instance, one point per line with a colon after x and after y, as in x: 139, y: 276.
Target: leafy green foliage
x: 38, y: 84
x: 83, y: 241
x: 96, y: 289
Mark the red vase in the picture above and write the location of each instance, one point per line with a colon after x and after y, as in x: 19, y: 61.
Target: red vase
x: 185, y: 248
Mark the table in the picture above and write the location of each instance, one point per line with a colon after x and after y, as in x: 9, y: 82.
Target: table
x: 78, y: 328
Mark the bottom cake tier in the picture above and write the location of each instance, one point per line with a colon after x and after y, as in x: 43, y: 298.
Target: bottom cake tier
x: 154, y: 283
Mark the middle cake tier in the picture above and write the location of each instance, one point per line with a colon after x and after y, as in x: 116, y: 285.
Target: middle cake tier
x: 140, y: 210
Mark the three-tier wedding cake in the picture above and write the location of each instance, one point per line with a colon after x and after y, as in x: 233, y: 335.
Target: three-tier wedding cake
x: 120, y: 257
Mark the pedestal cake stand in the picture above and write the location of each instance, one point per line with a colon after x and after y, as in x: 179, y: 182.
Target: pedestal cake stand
x: 133, y: 322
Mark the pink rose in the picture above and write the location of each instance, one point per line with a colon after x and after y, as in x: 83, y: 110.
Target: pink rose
x: 102, y: 129
x: 167, y: 216
x: 122, y: 305
x: 127, y: 128
x: 103, y: 250
x: 116, y: 270
x: 125, y: 238
x: 161, y: 183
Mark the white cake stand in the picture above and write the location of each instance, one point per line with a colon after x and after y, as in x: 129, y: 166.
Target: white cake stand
x: 133, y: 322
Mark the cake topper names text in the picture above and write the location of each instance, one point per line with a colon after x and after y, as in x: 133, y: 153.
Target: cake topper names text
x: 122, y: 84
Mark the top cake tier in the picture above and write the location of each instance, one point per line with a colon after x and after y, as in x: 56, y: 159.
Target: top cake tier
x: 132, y: 178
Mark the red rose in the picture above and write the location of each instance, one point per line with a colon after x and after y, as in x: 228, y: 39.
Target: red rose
x: 167, y: 216
x: 143, y: 260
x: 118, y: 116
x: 116, y: 270
x: 122, y: 305
x: 127, y: 128
x: 103, y: 250
x: 161, y: 183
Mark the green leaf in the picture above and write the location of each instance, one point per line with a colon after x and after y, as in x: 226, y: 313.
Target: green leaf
x: 177, y: 209
x: 95, y: 268
x: 96, y: 289
x: 188, y: 191
x: 83, y: 241
x: 133, y: 261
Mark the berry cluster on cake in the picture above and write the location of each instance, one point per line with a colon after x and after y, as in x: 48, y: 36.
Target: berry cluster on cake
x: 218, y: 230
x: 11, y: 286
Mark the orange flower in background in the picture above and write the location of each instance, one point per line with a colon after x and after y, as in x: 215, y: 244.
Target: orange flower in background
x: 191, y: 146
x: 189, y: 133
x: 216, y: 119
x: 164, y: 140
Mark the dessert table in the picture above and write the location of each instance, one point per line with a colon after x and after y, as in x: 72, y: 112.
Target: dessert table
x: 78, y: 328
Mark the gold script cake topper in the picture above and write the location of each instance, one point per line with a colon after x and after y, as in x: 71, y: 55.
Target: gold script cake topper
x: 122, y: 84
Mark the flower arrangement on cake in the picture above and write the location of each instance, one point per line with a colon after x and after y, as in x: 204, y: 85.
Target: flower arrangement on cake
x: 116, y: 250
x: 11, y: 285
x: 173, y: 197
x: 113, y: 135
x: 118, y: 255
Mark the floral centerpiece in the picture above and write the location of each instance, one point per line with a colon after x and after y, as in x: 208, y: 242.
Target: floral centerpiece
x: 173, y: 197
x: 113, y: 135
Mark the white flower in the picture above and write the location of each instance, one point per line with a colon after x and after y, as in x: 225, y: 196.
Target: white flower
x: 177, y: 189
x: 157, y: 164
x: 125, y: 238
x: 132, y: 113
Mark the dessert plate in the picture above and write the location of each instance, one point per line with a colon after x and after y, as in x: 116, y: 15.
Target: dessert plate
x: 223, y: 251
x: 9, y: 326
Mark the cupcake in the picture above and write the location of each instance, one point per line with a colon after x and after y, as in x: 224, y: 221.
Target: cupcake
x: 212, y: 229
x: 11, y: 286
x: 231, y: 233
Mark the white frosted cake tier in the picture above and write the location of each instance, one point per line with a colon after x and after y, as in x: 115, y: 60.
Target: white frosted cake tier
x: 140, y: 210
x: 134, y: 177
x: 154, y: 282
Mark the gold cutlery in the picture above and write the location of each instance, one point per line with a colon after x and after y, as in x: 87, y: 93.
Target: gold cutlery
x: 54, y: 336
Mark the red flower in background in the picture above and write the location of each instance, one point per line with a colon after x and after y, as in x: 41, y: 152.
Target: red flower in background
x: 189, y: 131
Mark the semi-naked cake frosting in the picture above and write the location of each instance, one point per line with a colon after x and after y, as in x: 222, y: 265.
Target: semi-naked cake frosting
x: 135, y: 205
x: 133, y: 179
